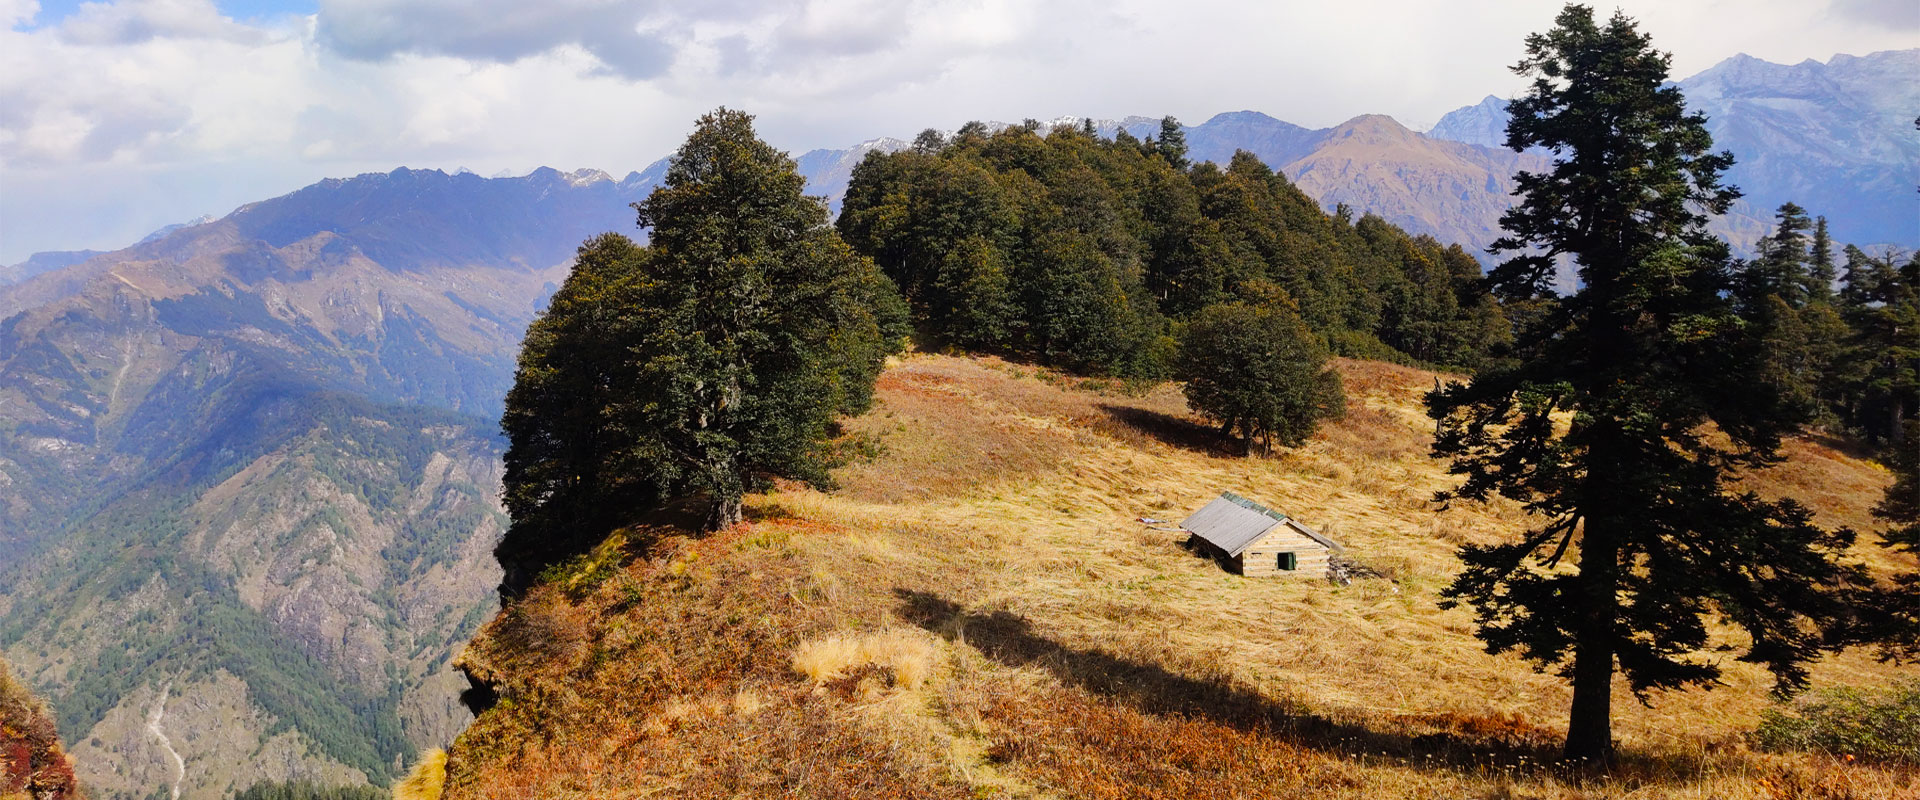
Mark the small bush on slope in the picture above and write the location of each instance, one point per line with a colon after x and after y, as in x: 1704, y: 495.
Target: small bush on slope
x: 1874, y: 724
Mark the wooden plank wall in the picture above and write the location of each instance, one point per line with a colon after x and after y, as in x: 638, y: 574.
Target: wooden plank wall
x: 1262, y: 557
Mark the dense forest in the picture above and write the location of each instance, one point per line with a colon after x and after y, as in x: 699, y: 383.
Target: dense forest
x: 1088, y: 253
x: 1845, y: 338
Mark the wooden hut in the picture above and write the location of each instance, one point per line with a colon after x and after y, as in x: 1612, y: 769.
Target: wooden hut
x: 1258, y: 541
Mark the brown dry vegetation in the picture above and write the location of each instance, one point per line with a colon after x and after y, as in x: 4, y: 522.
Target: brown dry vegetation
x: 976, y: 612
x: 32, y: 764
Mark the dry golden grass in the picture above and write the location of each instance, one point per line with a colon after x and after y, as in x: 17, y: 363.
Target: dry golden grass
x: 994, y: 543
x: 427, y: 780
x: 907, y: 657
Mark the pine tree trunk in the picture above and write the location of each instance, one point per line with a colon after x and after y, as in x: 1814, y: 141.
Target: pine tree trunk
x: 725, y: 512
x: 1590, y: 721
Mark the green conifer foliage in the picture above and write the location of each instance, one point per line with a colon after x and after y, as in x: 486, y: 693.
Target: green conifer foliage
x: 706, y: 363
x: 1173, y: 143
x: 1891, y: 614
x: 1820, y: 267
x: 1080, y: 251
x: 1601, y: 423
x: 1782, y: 270
x: 1879, y: 379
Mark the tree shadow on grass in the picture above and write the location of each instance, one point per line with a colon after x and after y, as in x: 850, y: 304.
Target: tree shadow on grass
x: 1850, y: 446
x: 1167, y: 429
x: 1009, y: 639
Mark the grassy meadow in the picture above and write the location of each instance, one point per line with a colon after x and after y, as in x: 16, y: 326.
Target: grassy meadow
x: 977, y: 612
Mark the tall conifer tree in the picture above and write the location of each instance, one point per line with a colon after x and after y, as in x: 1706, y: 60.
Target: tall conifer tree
x: 1602, y: 425
x: 1821, y: 268
x: 1173, y: 143
x: 700, y: 366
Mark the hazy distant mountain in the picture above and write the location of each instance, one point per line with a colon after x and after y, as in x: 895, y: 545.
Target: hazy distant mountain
x: 42, y: 263
x: 1836, y: 138
x: 828, y: 171
x: 168, y: 229
x: 249, y: 472
x: 1453, y: 191
x: 1277, y: 143
x: 1484, y: 124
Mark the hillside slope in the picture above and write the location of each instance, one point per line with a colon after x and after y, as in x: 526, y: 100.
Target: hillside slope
x: 249, y: 472
x: 979, y: 612
x: 1451, y: 191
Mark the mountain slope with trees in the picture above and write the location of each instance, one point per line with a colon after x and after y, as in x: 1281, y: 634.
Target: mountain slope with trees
x: 281, y: 429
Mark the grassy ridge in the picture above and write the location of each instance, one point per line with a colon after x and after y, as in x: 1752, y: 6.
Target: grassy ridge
x: 1074, y: 651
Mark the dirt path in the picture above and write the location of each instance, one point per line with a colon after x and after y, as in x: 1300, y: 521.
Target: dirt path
x: 153, y: 726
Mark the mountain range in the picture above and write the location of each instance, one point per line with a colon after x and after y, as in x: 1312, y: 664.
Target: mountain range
x: 249, y: 467
x: 1837, y: 138
x: 249, y: 472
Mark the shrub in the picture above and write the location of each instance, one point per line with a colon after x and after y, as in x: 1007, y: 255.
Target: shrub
x: 1871, y: 724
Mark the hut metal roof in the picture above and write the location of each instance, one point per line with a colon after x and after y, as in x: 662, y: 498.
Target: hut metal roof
x: 1232, y: 522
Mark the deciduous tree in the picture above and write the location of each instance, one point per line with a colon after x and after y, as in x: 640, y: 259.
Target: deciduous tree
x: 1255, y: 368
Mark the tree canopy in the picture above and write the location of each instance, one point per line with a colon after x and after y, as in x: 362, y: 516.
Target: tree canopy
x: 702, y: 365
x: 1085, y: 252
x: 1253, y: 367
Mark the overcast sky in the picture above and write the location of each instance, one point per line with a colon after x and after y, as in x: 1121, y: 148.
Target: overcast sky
x: 119, y: 117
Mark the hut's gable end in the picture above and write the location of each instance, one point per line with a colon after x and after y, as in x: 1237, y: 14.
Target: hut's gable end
x: 1281, y: 548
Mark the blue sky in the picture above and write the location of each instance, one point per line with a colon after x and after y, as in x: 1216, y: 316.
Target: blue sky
x: 118, y: 117
x: 53, y: 11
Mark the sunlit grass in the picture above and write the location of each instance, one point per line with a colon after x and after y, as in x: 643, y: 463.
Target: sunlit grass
x: 978, y: 612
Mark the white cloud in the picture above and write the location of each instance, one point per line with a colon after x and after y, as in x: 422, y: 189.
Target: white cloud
x: 15, y: 12
x: 209, y: 112
x: 136, y: 21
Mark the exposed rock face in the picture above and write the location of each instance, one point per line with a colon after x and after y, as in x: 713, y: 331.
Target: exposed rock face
x: 1836, y: 138
x: 221, y: 737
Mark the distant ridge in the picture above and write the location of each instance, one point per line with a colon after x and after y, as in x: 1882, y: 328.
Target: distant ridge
x: 1837, y: 138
